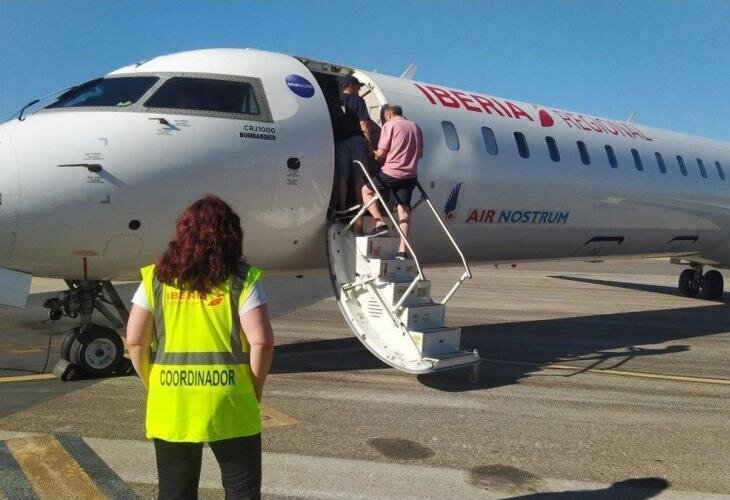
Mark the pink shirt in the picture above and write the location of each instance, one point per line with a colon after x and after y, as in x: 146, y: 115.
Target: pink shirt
x: 402, y: 140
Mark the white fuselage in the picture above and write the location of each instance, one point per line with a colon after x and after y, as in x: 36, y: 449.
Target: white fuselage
x: 71, y: 222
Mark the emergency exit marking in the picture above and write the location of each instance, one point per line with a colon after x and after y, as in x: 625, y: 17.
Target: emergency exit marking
x: 274, y: 418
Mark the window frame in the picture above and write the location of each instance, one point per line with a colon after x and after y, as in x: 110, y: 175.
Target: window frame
x: 553, y: 149
x: 264, y: 114
x: 490, y: 133
x: 701, y: 166
x: 611, y: 155
x: 521, y: 142
x: 455, y: 135
x: 638, y: 161
x: 682, y: 165
x: 585, y: 156
x: 720, y: 171
x: 163, y: 76
x: 135, y: 106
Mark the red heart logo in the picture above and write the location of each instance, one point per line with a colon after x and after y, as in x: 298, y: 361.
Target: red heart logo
x: 545, y: 119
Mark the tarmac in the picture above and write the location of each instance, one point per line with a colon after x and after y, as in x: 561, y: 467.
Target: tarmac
x: 597, y: 381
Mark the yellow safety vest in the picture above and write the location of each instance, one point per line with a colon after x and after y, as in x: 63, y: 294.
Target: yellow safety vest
x: 200, y: 383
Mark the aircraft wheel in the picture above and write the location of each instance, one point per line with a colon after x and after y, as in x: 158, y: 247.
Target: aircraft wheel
x: 67, y: 342
x: 98, y: 351
x: 689, y: 283
x: 712, y: 285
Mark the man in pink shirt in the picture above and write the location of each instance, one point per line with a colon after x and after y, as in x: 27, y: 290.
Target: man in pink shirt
x: 400, y: 146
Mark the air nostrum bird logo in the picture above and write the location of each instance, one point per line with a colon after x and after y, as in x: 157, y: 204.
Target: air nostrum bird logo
x: 451, y: 202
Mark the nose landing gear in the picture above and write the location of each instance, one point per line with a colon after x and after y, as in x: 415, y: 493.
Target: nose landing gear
x: 90, y: 350
x: 693, y: 283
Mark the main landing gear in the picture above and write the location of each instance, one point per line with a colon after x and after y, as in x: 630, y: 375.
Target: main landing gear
x: 693, y: 283
x: 90, y: 350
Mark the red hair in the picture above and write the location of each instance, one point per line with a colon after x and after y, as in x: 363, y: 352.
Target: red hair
x: 206, y: 249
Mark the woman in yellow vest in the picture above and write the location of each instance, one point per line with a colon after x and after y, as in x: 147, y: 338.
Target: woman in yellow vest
x: 200, y: 338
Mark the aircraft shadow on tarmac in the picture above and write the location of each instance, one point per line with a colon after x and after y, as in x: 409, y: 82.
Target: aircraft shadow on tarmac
x: 597, y: 341
x: 629, y: 489
x: 643, y: 287
x: 605, y: 341
x: 342, y: 354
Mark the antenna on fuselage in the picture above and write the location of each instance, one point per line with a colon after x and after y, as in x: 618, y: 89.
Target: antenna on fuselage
x: 410, y: 72
x: 631, y: 117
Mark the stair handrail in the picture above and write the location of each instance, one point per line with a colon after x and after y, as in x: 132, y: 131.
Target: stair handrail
x: 467, y: 271
x: 424, y: 197
x: 360, y: 213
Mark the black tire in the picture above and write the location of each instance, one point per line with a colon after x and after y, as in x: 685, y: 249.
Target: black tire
x: 67, y: 342
x: 712, y: 285
x: 98, y: 351
x: 688, y: 284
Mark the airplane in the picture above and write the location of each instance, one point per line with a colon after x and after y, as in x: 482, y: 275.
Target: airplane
x: 92, y: 180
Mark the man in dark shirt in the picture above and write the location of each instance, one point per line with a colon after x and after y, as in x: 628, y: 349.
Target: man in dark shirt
x: 352, y: 142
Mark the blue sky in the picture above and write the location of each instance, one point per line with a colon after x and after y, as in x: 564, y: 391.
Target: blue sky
x: 667, y: 61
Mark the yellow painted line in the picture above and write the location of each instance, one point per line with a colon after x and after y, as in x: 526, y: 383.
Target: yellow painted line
x: 25, y: 378
x: 51, y: 470
x: 274, y: 418
x: 623, y: 373
x: 25, y: 350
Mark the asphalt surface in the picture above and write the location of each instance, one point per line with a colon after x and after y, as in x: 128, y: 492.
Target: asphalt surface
x: 598, y: 381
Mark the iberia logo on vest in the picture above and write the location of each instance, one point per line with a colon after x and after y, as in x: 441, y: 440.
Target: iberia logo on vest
x: 190, y: 298
x: 216, y: 301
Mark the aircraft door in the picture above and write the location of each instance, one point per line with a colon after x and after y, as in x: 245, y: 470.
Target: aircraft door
x: 9, y: 197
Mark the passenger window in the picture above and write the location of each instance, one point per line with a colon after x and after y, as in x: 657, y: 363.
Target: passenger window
x: 552, y: 148
x: 117, y: 92
x: 637, y: 160
x: 703, y: 171
x: 490, y: 142
x: 660, y: 163
x: 452, y: 138
x: 522, y: 145
x: 682, y: 166
x: 583, y: 153
x: 719, y: 170
x: 203, y: 94
x: 611, y: 157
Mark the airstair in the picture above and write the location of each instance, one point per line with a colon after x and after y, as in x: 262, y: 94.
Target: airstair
x: 387, y: 302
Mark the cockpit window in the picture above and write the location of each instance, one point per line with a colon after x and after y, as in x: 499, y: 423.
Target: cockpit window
x: 203, y: 94
x: 110, y: 92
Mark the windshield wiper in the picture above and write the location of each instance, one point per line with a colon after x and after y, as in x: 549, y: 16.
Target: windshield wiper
x: 20, y: 113
x: 64, y: 92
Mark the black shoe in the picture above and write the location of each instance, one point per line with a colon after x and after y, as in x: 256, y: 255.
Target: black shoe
x: 401, y: 256
x: 378, y: 231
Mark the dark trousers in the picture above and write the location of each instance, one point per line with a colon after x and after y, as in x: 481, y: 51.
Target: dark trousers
x: 178, y: 467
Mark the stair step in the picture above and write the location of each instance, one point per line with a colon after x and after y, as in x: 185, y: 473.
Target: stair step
x: 438, y: 341
x: 423, y: 317
x: 462, y: 358
x: 379, y: 247
x: 392, y: 292
x: 391, y: 269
